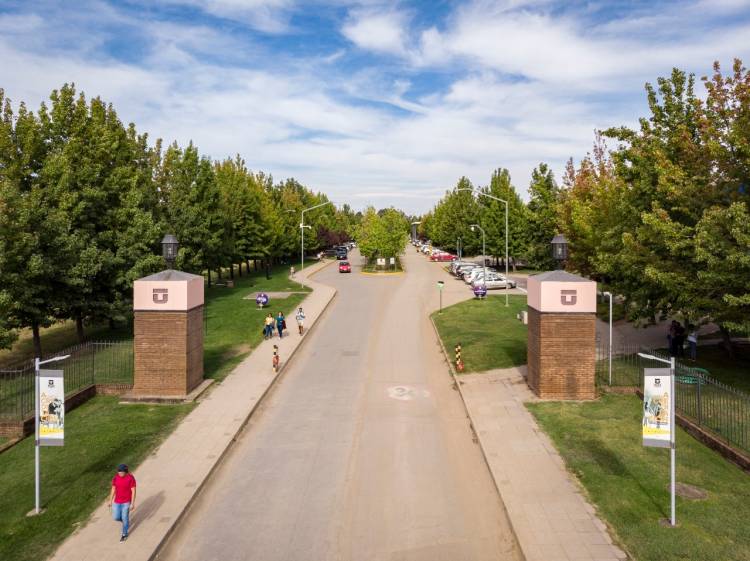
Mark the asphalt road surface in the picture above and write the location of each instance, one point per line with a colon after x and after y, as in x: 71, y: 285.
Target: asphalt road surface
x: 362, y: 451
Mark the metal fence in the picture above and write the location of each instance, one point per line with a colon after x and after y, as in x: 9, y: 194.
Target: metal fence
x: 712, y: 405
x: 100, y: 362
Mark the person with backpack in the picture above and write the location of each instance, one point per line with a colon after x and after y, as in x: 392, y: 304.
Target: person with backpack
x: 300, y: 317
x: 281, y: 324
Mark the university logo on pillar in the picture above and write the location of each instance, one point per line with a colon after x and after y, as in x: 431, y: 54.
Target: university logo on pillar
x: 161, y: 295
x: 568, y: 297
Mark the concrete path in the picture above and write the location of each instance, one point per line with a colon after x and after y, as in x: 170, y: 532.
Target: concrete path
x: 551, y: 518
x: 169, y: 479
x: 362, y: 452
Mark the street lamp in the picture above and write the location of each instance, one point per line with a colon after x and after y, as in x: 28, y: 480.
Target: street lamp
x: 302, y: 230
x: 506, y: 232
x: 475, y: 227
x: 559, y: 249
x: 673, y: 444
x: 169, y: 247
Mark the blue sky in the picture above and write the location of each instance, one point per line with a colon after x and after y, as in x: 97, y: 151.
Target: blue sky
x: 372, y: 101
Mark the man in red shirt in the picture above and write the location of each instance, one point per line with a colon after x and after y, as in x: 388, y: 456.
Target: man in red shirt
x: 123, y: 497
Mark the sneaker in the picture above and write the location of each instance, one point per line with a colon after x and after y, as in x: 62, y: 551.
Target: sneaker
x: 123, y: 538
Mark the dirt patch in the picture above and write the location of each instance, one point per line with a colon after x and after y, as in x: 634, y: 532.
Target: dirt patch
x: 273, y: 295
x: 690, y: 492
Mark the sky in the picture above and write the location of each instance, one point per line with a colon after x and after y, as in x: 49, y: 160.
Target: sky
x: 373, y: 102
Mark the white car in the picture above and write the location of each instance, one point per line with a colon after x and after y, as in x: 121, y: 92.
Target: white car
x: 476, y: 273
x: 494, y: 282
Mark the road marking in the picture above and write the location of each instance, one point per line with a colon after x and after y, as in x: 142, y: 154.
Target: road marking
x: 406, y: 393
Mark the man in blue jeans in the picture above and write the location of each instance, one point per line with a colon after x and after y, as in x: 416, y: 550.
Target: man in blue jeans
x: 122, y: 498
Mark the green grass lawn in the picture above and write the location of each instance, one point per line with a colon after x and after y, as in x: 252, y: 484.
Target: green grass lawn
x: 489, y: 333
x: 601, y: 444
x: 733, y: 371
x: 234, y: 324
x: 99, y: 435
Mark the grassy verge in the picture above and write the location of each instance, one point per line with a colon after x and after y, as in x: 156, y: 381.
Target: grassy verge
x: 234, y: 323
x: 372, y: 267
x: 489, y: 333
x: 732, y: 371
x: 601, y: 444
x: 75, y: 478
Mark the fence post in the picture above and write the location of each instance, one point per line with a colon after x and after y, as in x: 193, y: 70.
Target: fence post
x: 700, y: 404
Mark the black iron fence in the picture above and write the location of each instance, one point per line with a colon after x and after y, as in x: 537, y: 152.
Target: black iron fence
x: 711, y: 404
x: 100, y: 362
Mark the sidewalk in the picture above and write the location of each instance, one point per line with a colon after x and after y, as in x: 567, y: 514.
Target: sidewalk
x: 172, y: 476
x: 552, y: 520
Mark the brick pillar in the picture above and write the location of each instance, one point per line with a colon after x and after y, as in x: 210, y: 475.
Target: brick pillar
x: 168, y: 352
x: 562, y: 355
x: 561, y: 336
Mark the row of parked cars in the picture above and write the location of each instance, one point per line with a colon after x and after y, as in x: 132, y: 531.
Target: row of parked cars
x: 434, y: 253
x: 471, y: 273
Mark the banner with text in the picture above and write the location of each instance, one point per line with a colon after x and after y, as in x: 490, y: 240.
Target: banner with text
x: 656, y: 407
x: 51, y: 408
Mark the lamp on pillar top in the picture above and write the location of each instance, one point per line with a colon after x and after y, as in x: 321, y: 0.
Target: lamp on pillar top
x: 169, y: 246
x: 559, y: 249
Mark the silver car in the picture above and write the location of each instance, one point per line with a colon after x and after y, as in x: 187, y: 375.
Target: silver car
x: 494, y: 282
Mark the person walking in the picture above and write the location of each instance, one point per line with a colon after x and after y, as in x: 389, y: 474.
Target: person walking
x: 280, y: 324
x: 122, y: 499
x: 671, y: 335
x: 300, y: 317
x: 679, y: 340
x: 692, y: 340
x: 268, y: 328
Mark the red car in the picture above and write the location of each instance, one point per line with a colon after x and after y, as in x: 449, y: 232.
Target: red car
x: 442, y: 257
x: 344, y: 267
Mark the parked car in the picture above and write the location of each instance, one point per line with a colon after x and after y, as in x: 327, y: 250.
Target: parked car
x: 331, y: 252
x: 345, y: 267
x: 456, y: 266
x: 341, y: 253
x: 494, y: 282
x: 442, y: 257
x: 476, y: 273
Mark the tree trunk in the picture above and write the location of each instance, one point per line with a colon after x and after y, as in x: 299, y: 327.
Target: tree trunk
x: 231, y: 271
x: 37, y: 340
x: 218, y: 270
x: 79, y: 328
x: 726, y: 341
x: 268, y: 269
x: 209, y: 278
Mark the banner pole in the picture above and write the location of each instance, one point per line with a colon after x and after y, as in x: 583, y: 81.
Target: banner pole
x: 672, y: 450
x: 36, y: 435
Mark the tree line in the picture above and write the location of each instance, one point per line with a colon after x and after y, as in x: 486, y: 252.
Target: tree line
x: 86, y: 200
x: 662, y: 218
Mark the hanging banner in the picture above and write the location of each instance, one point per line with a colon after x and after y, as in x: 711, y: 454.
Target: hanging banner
x: 51, y: 408
x: 656, y: 407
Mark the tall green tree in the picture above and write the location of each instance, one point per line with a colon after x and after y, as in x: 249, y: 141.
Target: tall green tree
x: 492, y: 216
x: 542, y: 210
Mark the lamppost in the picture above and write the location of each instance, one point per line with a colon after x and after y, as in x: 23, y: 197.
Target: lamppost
x: 169, y: 247
x: 414, y: 230
x: 506, y: 232
x: 475, y: 227
x: 610, y: 335
x: 559, y: 250
x: 302, y: 230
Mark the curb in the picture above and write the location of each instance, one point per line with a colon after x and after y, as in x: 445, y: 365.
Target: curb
x: 457, y: 382
x: 219, y: 461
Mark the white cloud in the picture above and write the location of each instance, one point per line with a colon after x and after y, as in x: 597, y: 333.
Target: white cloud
x: 271, y: 16
x: 376, y: 30
x: 519, y: 87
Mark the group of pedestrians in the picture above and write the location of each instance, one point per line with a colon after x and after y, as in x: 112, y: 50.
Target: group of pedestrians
x: 279, y: 324
x: 677, y: 336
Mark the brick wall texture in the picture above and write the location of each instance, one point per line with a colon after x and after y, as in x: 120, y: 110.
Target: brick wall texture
x: 561, y: 355
x: 168, y: 349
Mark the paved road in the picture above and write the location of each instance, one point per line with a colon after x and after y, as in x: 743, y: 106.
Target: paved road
x: 362, y: 452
